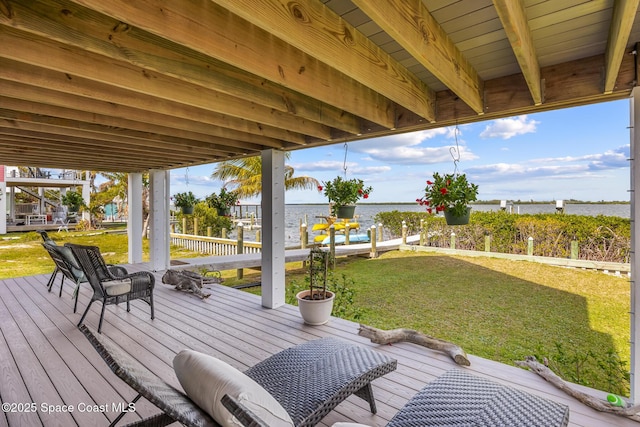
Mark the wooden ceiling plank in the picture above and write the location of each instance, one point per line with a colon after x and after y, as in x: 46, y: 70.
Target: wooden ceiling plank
x: 514, y: 20
x: 413, y: 27
x: 32, y: 49
x: 90, y: 90
x: 85, y: 147
x: 118, y: 115
x: 624, y: 14
x: 213, y: 31
x: 107, y: 134
x: 318, y: 31
x: 129, y: 127
x: 85, y: 28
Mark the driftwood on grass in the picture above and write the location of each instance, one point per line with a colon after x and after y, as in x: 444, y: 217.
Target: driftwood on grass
x: 598, y: 404
x: 188, y: 281
x: 380, y: 336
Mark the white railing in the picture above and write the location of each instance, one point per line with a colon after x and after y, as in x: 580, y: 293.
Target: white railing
x: 213, y: 245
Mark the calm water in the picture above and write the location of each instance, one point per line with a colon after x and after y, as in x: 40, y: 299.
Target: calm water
x: 366, y: 212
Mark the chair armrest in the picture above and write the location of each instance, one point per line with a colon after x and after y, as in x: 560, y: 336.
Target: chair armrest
x: 117, y: 271
x: 243, y: 414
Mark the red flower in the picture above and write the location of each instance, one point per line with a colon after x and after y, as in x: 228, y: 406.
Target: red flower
x: 360, y: 191
x: 448, y: 182
x: 444, y: 191
x: 429, y: 182
x: 439, y: 208
x: 366, y: 196
x: 319, y: 187
x: 429, y: 210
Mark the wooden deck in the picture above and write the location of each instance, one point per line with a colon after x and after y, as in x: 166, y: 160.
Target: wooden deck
x: 45, y: 359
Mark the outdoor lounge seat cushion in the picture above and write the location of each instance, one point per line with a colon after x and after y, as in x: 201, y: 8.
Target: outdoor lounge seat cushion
x: 206, y: 380
x: 117, y: 287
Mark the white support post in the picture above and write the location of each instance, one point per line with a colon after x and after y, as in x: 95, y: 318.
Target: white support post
x: 159, y: 219
x: 635, y: 255
x: 134, y: 217
x: 86, y: 195
x: 273, y: 280
x: 3, y: 202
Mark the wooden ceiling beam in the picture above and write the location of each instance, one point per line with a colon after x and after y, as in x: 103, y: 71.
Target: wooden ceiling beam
x: 515, y: 24
x: 318, y: 31
x: 104, y: 134
x: 31, y: 49
x: 624, y: 14
x: 84, y: 148
x: 129, y: 127
x: 89, y: 90
x: 84, y: 28
x: 210, y: 29
x: 413, y: 27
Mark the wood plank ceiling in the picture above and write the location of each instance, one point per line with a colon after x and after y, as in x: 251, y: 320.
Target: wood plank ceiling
x: 159, y: 84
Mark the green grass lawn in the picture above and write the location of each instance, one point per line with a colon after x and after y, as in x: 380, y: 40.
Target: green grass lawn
x: 498, y: 309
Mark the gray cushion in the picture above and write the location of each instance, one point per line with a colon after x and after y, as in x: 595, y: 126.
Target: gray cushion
x: 117, y: 287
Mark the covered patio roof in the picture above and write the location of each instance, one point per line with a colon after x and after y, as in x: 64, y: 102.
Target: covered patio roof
x: 138, y: 85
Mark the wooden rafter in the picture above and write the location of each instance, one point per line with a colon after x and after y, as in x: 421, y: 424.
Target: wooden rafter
x: 321, y: 33
x: 207, y: 28
x: 413, y: 27
x: 514, y: 20
x: 624, y: 14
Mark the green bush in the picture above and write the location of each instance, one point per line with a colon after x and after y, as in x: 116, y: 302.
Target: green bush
x: 600, y: 238
x: 207, y: 217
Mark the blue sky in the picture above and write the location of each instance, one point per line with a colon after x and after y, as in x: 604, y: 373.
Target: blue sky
x: 577, y: 153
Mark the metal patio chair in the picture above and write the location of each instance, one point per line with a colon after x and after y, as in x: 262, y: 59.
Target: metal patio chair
x: 110, y: 288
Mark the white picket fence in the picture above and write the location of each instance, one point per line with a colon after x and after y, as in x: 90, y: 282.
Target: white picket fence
x: 213, y: 245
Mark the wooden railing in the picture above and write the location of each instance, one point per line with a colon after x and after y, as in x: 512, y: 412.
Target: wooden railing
x: 213, y: 245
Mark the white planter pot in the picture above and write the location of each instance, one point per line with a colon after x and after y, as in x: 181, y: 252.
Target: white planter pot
x: 315, y: 312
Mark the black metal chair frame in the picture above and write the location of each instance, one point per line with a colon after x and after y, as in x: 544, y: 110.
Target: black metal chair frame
x: 97, y: 272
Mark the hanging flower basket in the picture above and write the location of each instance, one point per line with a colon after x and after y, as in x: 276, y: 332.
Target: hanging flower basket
x: 453, y: 219
x: 347, y: 212
x: 187, y: 210
x: 451, y: 194
x: 344, y: 193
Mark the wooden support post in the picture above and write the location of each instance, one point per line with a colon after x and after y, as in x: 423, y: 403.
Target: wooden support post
x: 380, y: 232
x: 374, y: 248
x: 404, y: 232
x: 347, y: 230
x: 240, y: 248
x: 487, y: 243
x: 195, y: 226
x: 223, y: 233
x: 258, y: 236
x: 574, y: 249
x: 453, y: 240
x: 530, y: 246
x: 184, y: 225
x: 209, y: 231
x: 422, y: 233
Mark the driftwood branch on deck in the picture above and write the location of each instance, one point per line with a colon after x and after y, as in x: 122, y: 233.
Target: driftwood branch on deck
x: 380, y: 336
x: 598, y: 404
x: 188, y: 281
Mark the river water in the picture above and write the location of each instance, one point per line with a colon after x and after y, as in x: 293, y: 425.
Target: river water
x: 366, y: 212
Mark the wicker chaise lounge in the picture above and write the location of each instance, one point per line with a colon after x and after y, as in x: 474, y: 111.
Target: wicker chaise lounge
x: 308, y: 380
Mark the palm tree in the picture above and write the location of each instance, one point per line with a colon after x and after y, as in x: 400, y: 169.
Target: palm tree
x: 245, y: 175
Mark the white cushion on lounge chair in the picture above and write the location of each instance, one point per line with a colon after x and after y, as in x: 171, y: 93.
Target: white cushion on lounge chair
x: 117, y: 287
x: 206, y: 379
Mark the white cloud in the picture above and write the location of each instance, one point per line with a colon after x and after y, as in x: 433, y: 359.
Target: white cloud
x: 510, y: 127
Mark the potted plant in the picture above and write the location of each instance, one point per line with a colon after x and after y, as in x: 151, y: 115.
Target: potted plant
x: 343, y: 194
x: 222, y: 201
x: 451, y: 194
x: 316, y: 303
x: 185, y: 201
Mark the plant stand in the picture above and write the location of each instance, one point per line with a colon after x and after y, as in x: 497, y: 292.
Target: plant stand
x: 316, y: 303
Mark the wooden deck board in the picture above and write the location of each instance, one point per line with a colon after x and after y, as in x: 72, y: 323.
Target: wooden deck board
x: 45, y: 359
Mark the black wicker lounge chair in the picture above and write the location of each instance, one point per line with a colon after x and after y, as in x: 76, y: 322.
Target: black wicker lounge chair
x: 110, y: 288
x: 298, y: 378
x: 68, y: 267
